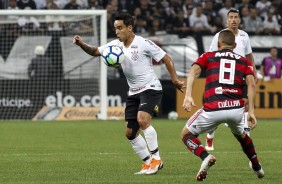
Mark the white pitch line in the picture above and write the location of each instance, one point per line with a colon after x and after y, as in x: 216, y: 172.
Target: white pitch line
x: 118, y: 153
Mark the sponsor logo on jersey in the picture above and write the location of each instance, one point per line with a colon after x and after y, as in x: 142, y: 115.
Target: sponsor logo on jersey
x: 226, y: 103
x: 134, y: 55
x: 230, y: 54
x: 134, y: 46
x: 219, y: 90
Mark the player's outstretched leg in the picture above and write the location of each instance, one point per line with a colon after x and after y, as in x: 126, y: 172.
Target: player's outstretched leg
x: 195, y: 146
x: 249, y: 149
x: 152, y: 142
x: 209, y: 141
x: 139, y: 146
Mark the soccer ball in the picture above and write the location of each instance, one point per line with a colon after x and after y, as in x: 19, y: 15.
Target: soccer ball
x: 113, y: 56
x: 173, y: 115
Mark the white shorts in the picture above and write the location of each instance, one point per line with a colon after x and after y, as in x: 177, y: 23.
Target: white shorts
x: 204, y: 122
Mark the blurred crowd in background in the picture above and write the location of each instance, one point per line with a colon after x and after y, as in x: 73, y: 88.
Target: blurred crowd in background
x: 182, y: 17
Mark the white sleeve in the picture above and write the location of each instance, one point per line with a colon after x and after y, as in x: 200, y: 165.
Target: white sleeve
x: 155, y: 51
x: 248, y: 46
x: 213, y: 46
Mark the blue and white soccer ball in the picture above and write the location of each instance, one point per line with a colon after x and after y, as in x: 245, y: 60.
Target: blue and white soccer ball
x: 113, y: 56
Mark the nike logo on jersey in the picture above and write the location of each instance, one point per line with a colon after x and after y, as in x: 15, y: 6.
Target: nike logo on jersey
x: 142, y: 104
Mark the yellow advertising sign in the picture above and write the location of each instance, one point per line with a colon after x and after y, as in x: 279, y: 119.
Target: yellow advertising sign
x: 77, y: 113
x: 268, y: 102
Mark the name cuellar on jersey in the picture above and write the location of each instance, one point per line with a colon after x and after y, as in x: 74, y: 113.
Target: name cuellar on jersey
x: 137, y: 65
x: 225, y: 71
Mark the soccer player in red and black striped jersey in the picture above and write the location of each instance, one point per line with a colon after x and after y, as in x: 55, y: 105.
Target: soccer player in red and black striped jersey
x: 223, y: 102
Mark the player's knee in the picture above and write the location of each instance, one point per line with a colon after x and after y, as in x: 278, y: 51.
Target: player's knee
x: 132, y: 130
x: 241, y: 137
x: 143, y: 121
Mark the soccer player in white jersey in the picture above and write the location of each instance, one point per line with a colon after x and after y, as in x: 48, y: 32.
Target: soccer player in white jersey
x: 243, y: 48
x: 145, y: 89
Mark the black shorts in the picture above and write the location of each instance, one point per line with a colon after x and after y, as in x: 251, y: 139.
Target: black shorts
x: 245, y: 89
x: 148, y: 101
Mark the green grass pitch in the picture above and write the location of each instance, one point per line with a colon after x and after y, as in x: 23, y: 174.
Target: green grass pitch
x: 82, y: 152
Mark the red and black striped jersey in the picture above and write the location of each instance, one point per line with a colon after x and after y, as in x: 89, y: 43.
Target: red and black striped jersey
x: 225, y: 72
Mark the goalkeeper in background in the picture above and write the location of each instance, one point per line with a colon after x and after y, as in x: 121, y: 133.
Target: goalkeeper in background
x: 145, y: 89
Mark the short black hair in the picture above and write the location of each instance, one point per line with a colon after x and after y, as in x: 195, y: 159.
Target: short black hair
x: 128, y: 20
x: 227, y: 37
x: 233, y: 11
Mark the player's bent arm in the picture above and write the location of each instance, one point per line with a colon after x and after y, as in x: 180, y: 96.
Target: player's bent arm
x: 251, y: 98
x: 93, y: 51
x: 193, y: 72
x: 171, y: 69
x: 251, y: 58
x: 251, y: 92
x: 188, y: 101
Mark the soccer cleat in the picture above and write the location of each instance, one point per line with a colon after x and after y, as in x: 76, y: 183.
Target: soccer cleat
x: 206, y: 164
x: 209, y: 144
x: 259, y: 173
x: 144, y: 169
x: 155, y: 166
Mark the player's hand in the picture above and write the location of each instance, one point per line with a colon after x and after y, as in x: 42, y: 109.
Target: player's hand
x: 77, y: 40
x: 188, y: 103
x: 179, y: 85
x: 252, y: 121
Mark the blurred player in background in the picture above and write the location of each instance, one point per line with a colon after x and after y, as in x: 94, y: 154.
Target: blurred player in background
x: 223, y: 102
x: 145, y: 89
x: 243, y: 48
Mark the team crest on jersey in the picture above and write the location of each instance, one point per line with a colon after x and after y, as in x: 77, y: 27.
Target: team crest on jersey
x: 244, y: 42
x: 134, y: 55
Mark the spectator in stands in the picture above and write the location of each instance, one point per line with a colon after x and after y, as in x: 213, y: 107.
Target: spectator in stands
x: 228, y: 5
x: 26, y: 4
x: 271, y: 66
x: 141, y: 25
x: 217, y: 24
x: 94, y: 4
x: 186, y: 5
x: 13, y: 6
x: 245, y: 12
x: 253, y: 24
x: 181, y: 25
x: 61, y: 3
x: 209, y: 11
x: 40, y: 4
x: 244, y: 4
x: 72, y: 5
x: 51, y: 5
x: 199, y: 22
x: 263, y: 7
x: 40, y: 66
x: 270, y: 24
x: 83, y: 4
